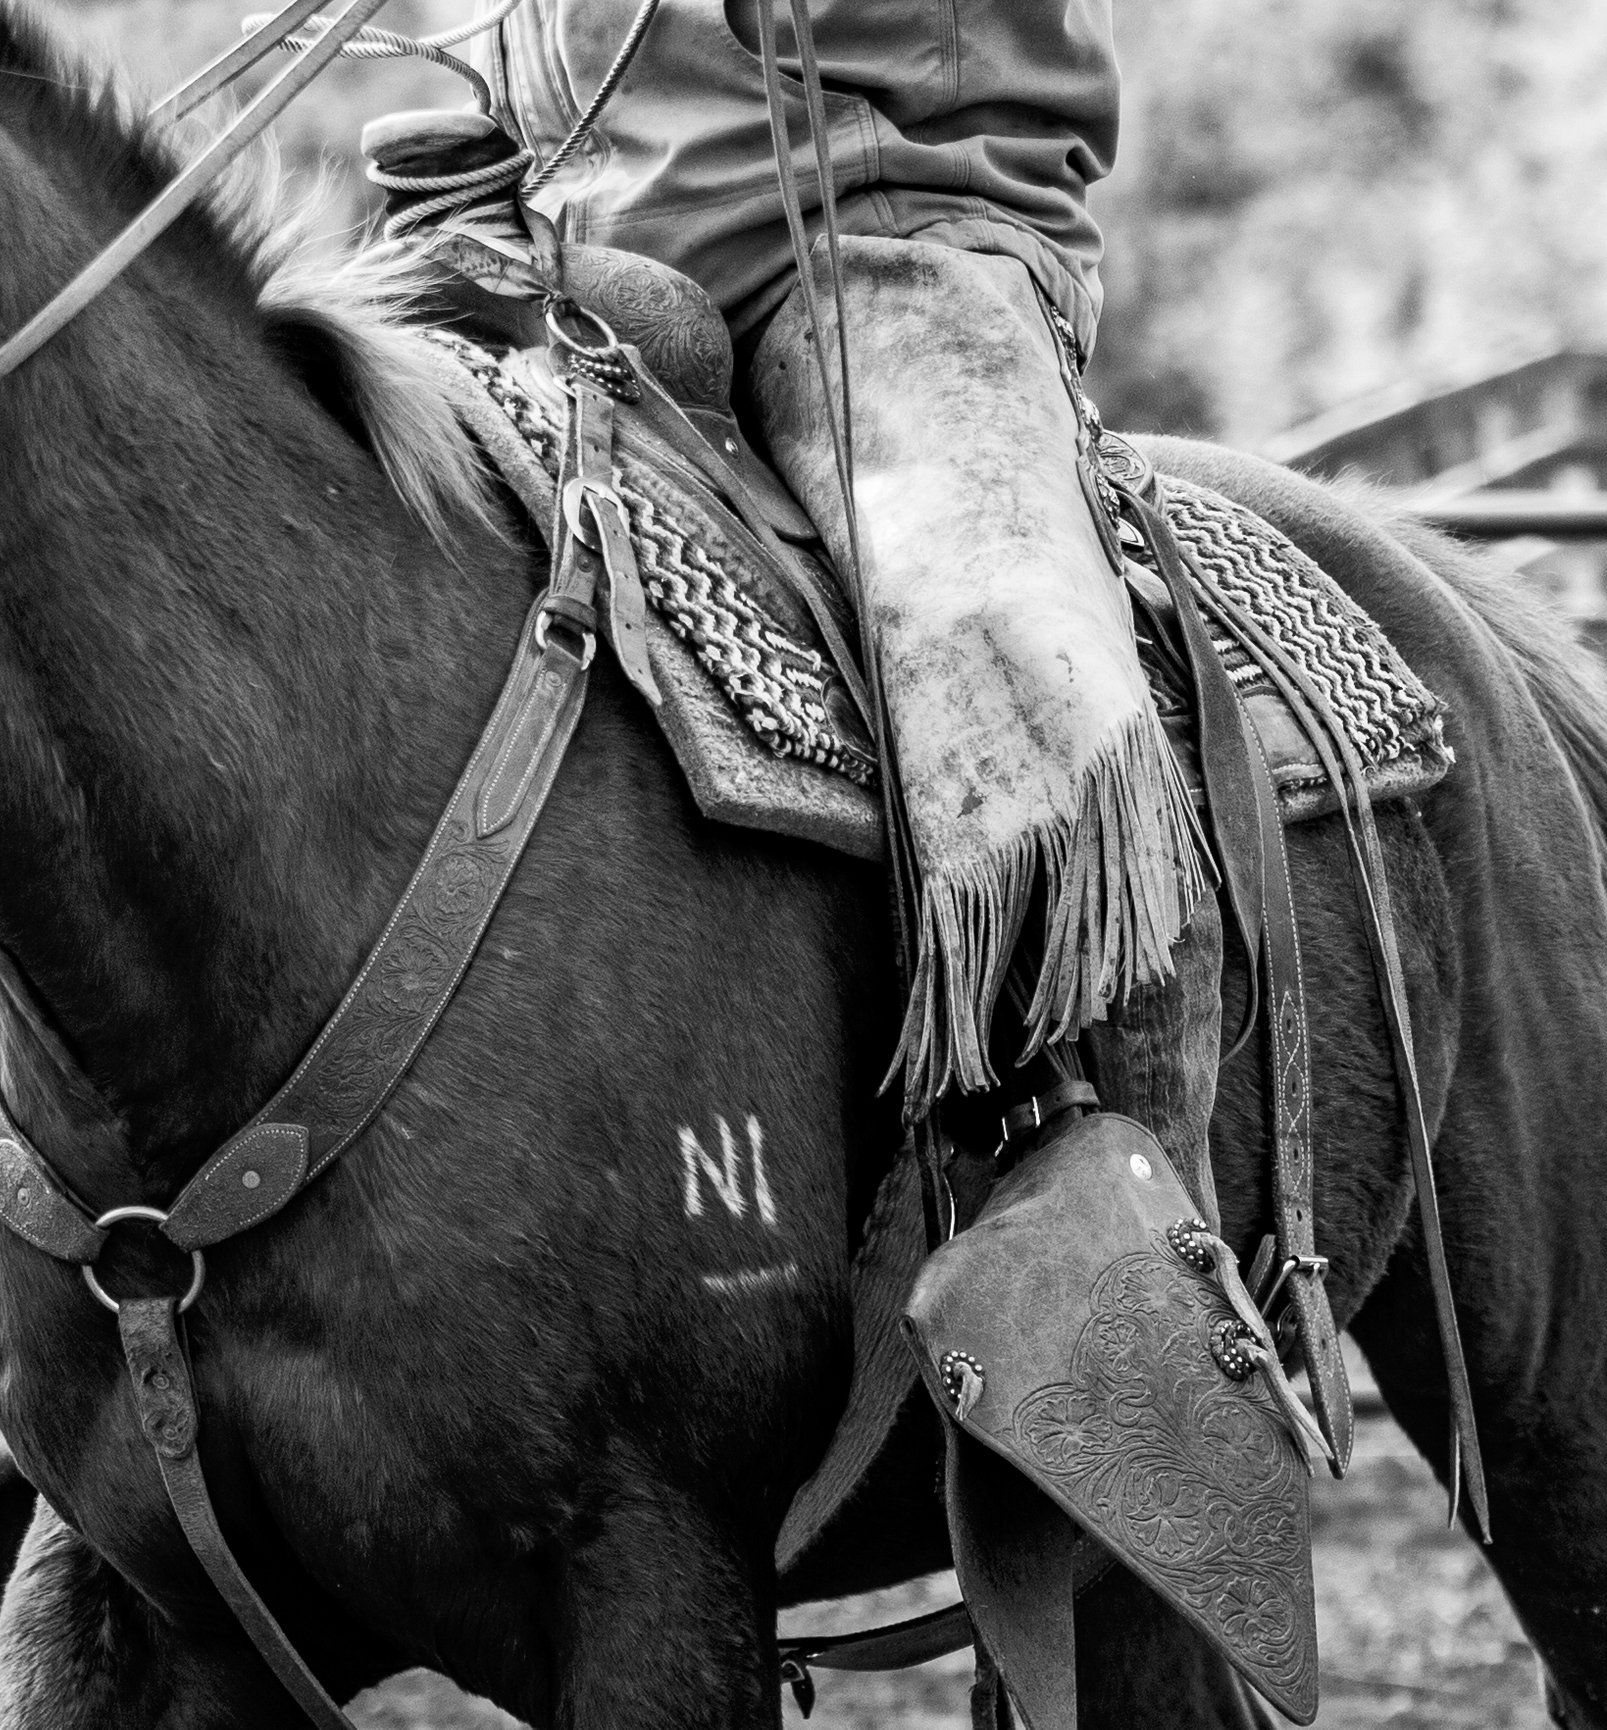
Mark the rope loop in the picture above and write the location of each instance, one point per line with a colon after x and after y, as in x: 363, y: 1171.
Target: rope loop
x: 374, y: 43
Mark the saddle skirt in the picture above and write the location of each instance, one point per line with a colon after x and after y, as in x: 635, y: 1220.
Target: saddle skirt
x: 747, y: 680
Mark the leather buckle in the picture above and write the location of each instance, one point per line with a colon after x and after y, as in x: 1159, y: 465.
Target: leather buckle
x: 1032, y: 1114
x: 156, y: 1216
x: 1018, y: 1120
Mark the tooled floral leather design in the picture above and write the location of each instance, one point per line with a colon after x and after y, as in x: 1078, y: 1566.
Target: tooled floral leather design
x: 678, y: 329
x: 1190, y: 1476
x: 411, y: 972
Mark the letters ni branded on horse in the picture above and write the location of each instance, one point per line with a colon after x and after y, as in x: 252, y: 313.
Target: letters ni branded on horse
x: 735, y: 1180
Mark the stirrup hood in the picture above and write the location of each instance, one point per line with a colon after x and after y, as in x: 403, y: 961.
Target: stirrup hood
x: 1065, y: 1333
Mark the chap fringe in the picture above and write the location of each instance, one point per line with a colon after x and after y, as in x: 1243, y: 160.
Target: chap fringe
x: 1122, y: 873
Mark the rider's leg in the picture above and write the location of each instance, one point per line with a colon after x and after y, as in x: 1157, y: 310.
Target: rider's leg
x: 1005, y: 503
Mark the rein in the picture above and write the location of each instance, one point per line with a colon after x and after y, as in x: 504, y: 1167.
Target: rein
x: 349, y: 36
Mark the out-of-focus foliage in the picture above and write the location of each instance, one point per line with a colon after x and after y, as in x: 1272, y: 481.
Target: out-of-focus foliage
x: 1313, y: 197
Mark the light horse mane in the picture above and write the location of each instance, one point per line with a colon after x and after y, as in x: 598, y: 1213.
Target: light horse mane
x: 341, y: 323
x: 1566, y: 678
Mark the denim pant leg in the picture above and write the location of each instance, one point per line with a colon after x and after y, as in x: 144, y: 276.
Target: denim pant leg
x: 1156, y: 1058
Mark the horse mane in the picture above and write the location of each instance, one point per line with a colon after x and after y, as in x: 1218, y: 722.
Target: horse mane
x: 341, y: 326
x: 1566, y: 678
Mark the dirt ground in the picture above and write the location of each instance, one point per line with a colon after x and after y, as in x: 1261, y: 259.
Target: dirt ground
x: 1414, y: 1631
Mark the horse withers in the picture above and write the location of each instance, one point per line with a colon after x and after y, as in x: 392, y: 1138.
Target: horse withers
x: 523, y: 1388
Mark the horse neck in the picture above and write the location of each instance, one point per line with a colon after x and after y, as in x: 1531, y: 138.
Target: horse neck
x: 240, y: 682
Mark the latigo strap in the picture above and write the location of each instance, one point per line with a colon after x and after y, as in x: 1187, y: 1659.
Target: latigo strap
x: 1243, y: 812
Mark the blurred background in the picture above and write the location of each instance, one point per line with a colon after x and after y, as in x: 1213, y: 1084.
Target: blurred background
x: 1312, y: 201
x: 1368, y: 236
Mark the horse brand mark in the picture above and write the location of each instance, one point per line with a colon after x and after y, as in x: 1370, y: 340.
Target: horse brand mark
x: 725, y: 1174
x: 747, y: 1280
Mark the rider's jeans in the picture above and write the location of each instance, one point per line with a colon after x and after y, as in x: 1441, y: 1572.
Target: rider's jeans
x: 972, y: 125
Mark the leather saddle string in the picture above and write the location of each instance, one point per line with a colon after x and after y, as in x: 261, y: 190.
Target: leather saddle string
x: 1241, y: 809
x: 1225, y: 763
x: 664, y: 416
x: 1343, y: 768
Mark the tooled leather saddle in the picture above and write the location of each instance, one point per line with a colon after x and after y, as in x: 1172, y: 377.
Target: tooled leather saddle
x: 1093, y: 1346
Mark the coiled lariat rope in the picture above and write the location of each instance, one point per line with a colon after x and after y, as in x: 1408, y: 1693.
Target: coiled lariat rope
x: 471, y: 184
x: 453, y: 191
x: 373, y: 43
x: 582, y: 127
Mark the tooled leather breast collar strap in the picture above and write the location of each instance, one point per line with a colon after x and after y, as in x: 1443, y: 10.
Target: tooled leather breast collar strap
x: 335, y: 1092
x: 409, y: 977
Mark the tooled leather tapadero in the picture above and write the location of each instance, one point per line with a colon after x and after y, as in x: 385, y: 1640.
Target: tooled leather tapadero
x: 1066, y: 1334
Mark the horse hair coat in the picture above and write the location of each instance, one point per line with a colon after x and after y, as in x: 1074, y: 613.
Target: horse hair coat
x: 522, y: 1388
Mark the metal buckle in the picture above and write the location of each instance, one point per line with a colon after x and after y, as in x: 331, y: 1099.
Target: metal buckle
x: 795, y: 1673
x: 588, y: 640
x: 581, y: 491
x: 1006, y: 1134
x: 157, y: 1217
x: 566, y: 307
x: 1306, y: 1264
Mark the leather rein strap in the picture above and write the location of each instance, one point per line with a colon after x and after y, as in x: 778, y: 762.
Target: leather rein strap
x: 1301, y: 1268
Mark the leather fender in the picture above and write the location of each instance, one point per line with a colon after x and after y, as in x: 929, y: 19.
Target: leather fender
x: 1064, y: 1333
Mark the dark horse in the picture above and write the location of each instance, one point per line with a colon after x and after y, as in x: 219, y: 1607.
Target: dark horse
x: 518, y: 1391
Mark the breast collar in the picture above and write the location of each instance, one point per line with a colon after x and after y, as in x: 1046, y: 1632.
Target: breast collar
x: 365, y: 1048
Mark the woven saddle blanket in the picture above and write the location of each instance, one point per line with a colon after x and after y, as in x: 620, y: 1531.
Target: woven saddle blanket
x: 745, y: 677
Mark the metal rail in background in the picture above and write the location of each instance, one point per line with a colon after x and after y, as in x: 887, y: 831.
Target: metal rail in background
x: 1502, y: 515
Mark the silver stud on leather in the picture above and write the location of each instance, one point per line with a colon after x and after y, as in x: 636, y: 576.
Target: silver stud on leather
x: 1186, y: 1238
x: 1142, y: 1169
x: 1235, y: 1350
x: 251, y: 1178
x: 962, y: 1380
